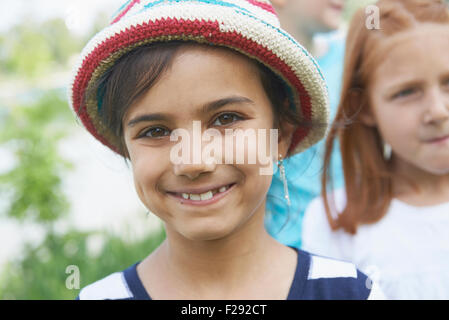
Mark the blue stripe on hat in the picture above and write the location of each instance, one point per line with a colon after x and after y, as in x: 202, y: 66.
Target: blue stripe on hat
x: 117, y: 12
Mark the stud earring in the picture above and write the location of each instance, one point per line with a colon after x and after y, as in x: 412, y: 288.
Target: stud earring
x: 284, y: 179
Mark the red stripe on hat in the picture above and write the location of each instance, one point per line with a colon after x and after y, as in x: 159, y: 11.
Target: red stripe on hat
x: 133, y: 2
x: 163, y: 27
x: 265, y: 6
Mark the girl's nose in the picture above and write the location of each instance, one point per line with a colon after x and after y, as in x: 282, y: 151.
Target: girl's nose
x: 437, y: 107
x: 192, y: 171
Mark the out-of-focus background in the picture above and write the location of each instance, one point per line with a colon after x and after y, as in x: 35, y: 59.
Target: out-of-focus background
x: 65, y: 200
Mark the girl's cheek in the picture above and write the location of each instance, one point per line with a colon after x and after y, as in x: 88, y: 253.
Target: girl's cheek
x: 146, y: 164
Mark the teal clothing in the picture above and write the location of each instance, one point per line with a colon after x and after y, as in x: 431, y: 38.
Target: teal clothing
x: 304, y: 170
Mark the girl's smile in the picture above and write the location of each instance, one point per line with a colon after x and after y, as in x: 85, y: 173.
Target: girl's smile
x: 438, y: 140
x: 202, y: 196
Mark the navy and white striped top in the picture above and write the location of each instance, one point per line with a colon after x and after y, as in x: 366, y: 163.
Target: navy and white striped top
x: 316, y: 278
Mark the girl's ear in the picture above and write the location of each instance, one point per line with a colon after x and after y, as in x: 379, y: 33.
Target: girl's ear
x: 367, y: 118
x: 358, y: 103
x: 285, y: 137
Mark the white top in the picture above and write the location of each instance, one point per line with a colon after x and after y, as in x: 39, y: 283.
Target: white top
x: 406, y: 252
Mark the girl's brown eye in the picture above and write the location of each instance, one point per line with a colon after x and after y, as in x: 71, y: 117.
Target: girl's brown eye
x: 226, y: 118
x: 155, y: 132
x: 446, y: 83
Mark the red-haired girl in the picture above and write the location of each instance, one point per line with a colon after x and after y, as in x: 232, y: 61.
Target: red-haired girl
x: 392, y: 218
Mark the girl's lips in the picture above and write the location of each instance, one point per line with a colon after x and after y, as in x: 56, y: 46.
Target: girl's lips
x: 336, y: 6
x: 439, y: 140
x: 212, y: 200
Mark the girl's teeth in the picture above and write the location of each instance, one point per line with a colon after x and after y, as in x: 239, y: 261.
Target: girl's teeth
x: 204, y: 196
x: 195, y: 197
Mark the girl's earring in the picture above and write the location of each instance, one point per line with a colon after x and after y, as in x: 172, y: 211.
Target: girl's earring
x: 284, y: 179
x: 387, y: 151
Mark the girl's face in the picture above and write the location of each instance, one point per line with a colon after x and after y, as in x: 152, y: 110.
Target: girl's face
x: 316, y: 15
x: 222, y: 90
x: 409, y: 97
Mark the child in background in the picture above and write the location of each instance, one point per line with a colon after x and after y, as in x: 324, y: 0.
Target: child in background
x: 169, y: 69
x: 392, y: 218
x: 315, y: 25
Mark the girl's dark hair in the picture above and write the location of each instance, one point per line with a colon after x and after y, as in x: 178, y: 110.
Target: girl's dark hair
x: 138, y: 70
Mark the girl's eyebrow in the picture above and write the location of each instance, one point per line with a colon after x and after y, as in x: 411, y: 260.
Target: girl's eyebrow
x: 403, y: 84
x: 413, y: 82
x: 207, y: 108
x: 445, y: 76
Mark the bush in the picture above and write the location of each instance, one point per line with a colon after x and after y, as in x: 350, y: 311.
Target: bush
x: 44, y: 271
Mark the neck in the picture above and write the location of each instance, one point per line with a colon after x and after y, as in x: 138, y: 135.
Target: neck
x: 433, y: 188
x: 224, y: 263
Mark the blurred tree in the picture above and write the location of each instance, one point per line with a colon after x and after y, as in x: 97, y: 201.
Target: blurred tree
x: 28, y: 53
x: 33, y: 190
x: 31, y: 128
x: 32, y: 49
x: 42, y: 273
x: 62, y: 42
x: 33, y: 186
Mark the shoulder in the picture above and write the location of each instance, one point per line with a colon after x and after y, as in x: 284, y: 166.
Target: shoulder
x: 332, y: 279
x: 317, y: 233
x: 336, y: 199
x: 315, y: 213
x: 112, y: 287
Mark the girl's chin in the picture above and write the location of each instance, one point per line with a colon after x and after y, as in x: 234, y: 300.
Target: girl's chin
x: 442, y: 170
x: 208, y: 228
x: 205, y: 235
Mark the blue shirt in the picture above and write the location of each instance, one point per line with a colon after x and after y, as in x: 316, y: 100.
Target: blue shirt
x: 316, y: 278
x: 304, y: 170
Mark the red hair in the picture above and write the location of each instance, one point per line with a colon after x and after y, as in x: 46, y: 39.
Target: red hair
x: 368, y: 176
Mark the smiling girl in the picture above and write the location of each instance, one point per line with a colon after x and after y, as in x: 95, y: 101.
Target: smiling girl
x: 392, y: 217
x: 163, y: 66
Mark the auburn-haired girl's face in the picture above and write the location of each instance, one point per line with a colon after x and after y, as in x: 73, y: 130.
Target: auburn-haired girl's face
x: 409, y: 97
x: 197, y: 199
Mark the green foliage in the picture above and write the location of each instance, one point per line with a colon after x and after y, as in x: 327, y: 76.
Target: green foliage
x: 32, y: 133
x: 43, y: 273
x: 32, y: 49
x: 33, y: 188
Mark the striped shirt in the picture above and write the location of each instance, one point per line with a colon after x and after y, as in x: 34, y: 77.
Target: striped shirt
x: 316, y: 278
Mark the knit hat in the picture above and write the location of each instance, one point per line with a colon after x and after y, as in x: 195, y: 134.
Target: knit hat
x: 250, y: 27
